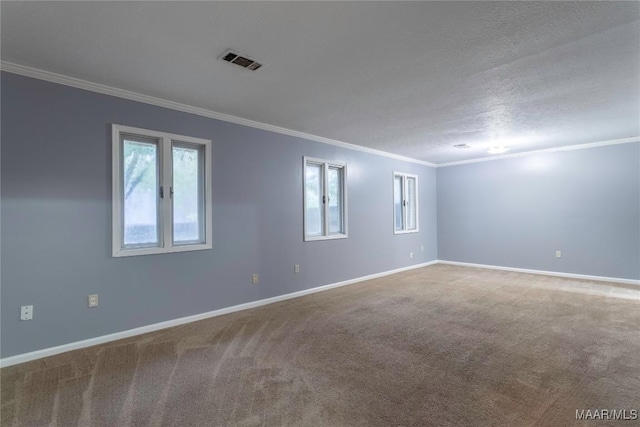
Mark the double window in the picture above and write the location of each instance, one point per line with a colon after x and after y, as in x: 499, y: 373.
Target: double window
x: 405, y: 203
x: 325, y: 199
x: 161, y: 192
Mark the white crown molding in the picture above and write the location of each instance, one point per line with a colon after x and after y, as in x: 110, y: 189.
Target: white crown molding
x: 159, y: 102
x: 547, y: 150
x: 52, y: 351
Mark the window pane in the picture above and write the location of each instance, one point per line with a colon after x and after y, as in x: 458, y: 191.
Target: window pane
x: 188, y: 193
x: 397, y: 202
x: 314, y: 209
x: 411, y: 204
x: 335, y: 201
x: 140, y: 190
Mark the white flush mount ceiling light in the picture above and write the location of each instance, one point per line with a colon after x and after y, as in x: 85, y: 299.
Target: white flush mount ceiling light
x: 498, y: 149
x: 502, y: 144
x: 240, y: 60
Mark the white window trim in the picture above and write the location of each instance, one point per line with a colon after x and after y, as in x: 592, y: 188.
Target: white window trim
x: 404, y: 211
x: 166, y: 212
x: 326, y: 164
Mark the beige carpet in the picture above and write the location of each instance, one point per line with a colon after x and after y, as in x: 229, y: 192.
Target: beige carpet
x: 439, y: 346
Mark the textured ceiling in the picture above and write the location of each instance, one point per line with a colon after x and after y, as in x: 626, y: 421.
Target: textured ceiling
x: 411, y: 78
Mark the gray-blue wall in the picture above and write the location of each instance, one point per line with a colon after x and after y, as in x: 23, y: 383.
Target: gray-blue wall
x: 517, y: 212
x: 56, y: 219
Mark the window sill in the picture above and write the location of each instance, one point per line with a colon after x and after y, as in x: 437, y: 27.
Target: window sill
x: 406, y: 231
x: 152, y: 251
x: 330, y: 237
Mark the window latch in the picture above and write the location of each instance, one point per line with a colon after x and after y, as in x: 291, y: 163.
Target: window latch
x: 404, y: 203
x: 161, y: 192
x: 323, y: 199
x: 171, y: 192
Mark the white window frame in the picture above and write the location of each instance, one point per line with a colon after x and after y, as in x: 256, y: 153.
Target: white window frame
x: 165, y: 177
x: 325, y: 184
x: 404, y: 177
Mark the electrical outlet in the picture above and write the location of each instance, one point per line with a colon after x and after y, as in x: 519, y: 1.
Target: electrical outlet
x: 93, y: 300
x: 26, y: 312
x: 296, y: 268
x: 411, y: 255
x: 255, y: 279
x: 558, y: 254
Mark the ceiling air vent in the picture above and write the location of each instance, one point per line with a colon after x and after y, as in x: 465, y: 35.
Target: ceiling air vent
x: 462, y: 146
x: 240, y: 60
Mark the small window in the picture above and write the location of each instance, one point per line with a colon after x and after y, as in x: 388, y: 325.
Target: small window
x: 325, y: 199
x: 405, y: 203
x: 161, y: 192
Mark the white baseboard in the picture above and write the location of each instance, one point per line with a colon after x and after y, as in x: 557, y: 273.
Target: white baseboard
x: 38, y: 354
x: 544, y: 273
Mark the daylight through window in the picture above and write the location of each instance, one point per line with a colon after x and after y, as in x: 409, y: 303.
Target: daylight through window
x: 325, y: 199
x: 405, y: 203
x: 161, y: 192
